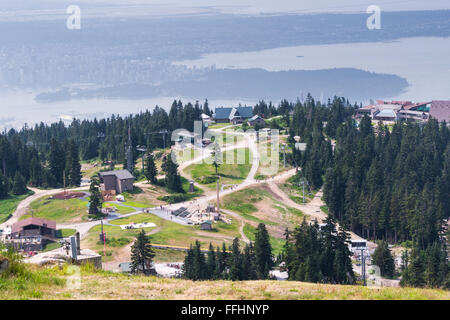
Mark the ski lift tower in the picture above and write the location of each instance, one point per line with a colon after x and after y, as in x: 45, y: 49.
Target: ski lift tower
x: 129, y: 152
x: 142, y: 149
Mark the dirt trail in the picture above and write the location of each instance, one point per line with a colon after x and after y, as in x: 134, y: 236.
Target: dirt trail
x: 311, y: 208
x: 242, y: 223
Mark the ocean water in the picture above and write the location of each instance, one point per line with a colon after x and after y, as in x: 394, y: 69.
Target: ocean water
x: 423, y: 61
x: 18, y: 107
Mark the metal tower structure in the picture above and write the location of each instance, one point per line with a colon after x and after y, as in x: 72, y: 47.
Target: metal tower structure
x: 129, y: 152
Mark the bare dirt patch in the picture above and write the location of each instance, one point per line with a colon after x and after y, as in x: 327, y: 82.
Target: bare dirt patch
x: 266, y: 187
x: 68, y: 195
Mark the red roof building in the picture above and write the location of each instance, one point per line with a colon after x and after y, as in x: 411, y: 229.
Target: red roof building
x: 34, y: 227
x: 440, y: 110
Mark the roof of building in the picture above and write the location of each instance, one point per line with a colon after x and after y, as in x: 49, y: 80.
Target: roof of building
x: 440, y: 110
x: 222, y: 113
x: 226, y: 113
x: 386, y: 113
x: 415, y: 105
x: 33, y: 221
x: 255, y: 117
x: 207, y: 222
x: 120, y: 174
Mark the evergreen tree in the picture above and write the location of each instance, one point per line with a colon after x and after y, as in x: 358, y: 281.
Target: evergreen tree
x: 150, y: 169
x: 95, y: 202
x: 211, y: 263
x: 382, y: 258
x: 173, y: 178
x: 73, y: 167
x: 263, y: 252
x: 19, y: 186
x: 142, y: 255
x: 3, y: 186
x: 235, y: 261
x: 57, y: 161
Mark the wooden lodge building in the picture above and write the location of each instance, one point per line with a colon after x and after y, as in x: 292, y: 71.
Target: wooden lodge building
x: 119, y: 181
x: 33, y: 234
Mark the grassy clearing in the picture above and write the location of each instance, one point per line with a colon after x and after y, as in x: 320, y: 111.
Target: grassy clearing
x: 295, y: 191
x: 71, y: 210
x: 145, y: 197
x: 51, y: 246
x: 219, y: 125
x: 20, y: 281
x: 120, y: 209
x: 165, y: 255
x: 230, y: 173
x: 64, y: 233
x: 102, y: 285
x: 8, y: 205
x: 23, y: 281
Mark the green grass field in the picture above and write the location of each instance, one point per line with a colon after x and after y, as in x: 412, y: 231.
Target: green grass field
x: 64, y: 233
x: 8, y: 205
x: 204, y: 173
x: 58, y: 210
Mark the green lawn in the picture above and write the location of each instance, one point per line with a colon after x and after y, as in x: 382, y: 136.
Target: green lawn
x: 121, y: 209
x: 64, y: 233
x: 204, y: 173
x: 58, y: 210
x: 51, y: 246
x: 8, y: 205
x: 219, y: 125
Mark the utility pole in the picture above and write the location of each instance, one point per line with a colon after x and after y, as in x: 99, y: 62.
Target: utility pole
x: 218, y: 192
x: 103, y: 236
x: 303, y: 187
x: 129, y: 152
x: 64, y: 181
x: 363, y: 266
x: 142, y: 149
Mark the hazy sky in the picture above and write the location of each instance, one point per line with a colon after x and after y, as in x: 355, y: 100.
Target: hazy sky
x: 32, y: 8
